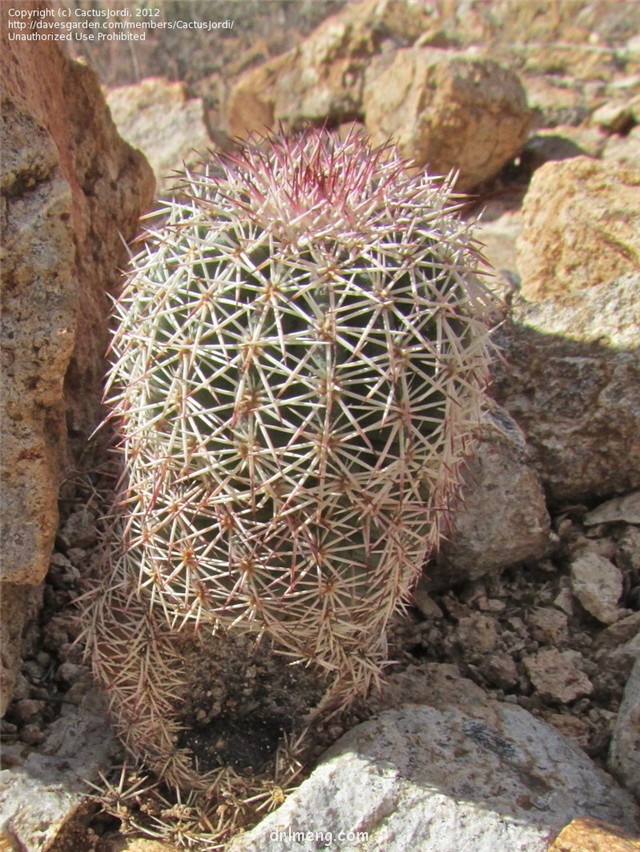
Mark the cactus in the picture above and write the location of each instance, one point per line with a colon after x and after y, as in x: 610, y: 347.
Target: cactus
x: 300, y: 360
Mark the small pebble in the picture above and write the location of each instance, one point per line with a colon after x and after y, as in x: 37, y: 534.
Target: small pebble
x: 32, y: 734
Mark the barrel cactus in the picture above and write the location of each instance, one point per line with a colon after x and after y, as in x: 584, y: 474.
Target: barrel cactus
x: 299, y: 362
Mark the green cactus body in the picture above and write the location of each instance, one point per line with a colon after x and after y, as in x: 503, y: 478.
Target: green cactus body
x: 300, y: 359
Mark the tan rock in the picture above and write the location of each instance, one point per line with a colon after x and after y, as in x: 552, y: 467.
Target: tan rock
x: 157, y: 117
x: 139, y: 844
x: 250, y: 107
x: 71, y: 189
x: 557, y: 675
x: 624, y: 149
x: 322, y: 79
x: 447, y: 110
x: 580, y: 226
x: 594, y: 835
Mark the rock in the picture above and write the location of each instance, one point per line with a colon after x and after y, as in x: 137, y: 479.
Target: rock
x: 580, y: 226
x: 546, y: 146
x: 570, y: 380
x: 139, y: 844
x: 19, y: 606
x: 620, y: 632
x: 577, y: 730
x: 558, y: 142
x: 321, y: 80
x: 477, y: 634
x: 79, y: 530
x: 500, y: 670
x: 597, y: 583
x: 156, y: 116
x: 624, y: 149
x: 424, y: 602
x: 631, y: 50
x: 624, y: 751
x: 594, y: 835
x: 43, y: 791
x: 447, y: 110
x: 71, y: 191
x: 629, y: 549
x: 462, y: 777
x: 503, y: 518
x: 553, y: 105
x: 622, y: 658
x: 497, y: 230
x: 617, y: 117
x: 557, y: 675
x: 626, y: 508
x: 250, y: 107
x: 548, y: 625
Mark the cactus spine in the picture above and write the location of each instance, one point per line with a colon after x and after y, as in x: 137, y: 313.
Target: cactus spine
x: 300, y: 360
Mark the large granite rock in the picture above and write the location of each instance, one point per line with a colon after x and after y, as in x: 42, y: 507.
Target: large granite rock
x: 580, y: 226
x: 71, y: 190
x: 570, y: 379
x: 470, y: 774
x: 447, y: 110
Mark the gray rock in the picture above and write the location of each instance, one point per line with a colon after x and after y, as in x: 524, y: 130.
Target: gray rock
x: 624, y: 751
x: 503, y: 518
x: 41, y: 791
x: 626, y: 508
x: 570, y: 380
x: 598, y: 584
x: 79, y: 530
x: 442, y: 780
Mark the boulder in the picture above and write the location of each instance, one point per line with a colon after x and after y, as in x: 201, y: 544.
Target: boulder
x: 447, y: 110
x: 71, y: 190
x: 321, y: 80
x: 624, y: 751
x: 569, y: 378
x: 473, y: 774
x: 580, y: 226
x: 157, y: 117
x: 503, y: 518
